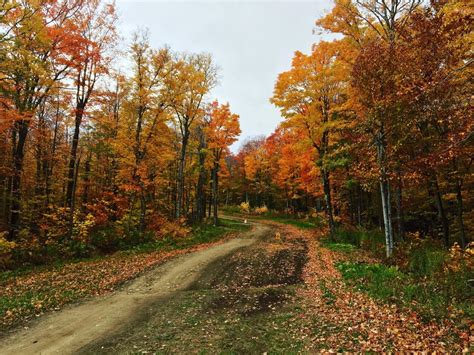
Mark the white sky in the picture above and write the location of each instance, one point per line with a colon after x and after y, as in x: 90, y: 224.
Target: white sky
x: 251, y: 42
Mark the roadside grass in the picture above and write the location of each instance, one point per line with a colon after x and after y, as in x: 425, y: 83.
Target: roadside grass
x: 230, y: 210
x: 304, y: 223
x: 371, y: 240
x: 300, y: 222
x: 417, y: 279
x: 28, y: 292
x: 430, y: 297
x: 341, y: 247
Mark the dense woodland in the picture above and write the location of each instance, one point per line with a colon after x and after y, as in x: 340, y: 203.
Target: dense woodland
x: 102, y: 147
x: 97, y: 140
x: 378, y: 125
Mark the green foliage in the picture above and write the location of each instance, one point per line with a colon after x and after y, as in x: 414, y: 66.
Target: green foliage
x: 230, y: 209
x: 360, y: 238
x: 431, y: 296
x: 424, y: 276
x: 327, y: 294
x: 342, y: 247
x: 380, y: 281
x: 305, y: 223
x: 426, y: 260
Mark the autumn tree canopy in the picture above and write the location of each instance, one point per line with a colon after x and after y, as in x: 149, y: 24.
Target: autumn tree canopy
x: 376, y: 128
x: 89, y: 146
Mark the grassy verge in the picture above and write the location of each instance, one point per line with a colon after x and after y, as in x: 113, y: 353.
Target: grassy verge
x: 370, y: 240
x: 29, y: 292
x: 304, y: 223
x: 430, y: 298
x: 421, y: 277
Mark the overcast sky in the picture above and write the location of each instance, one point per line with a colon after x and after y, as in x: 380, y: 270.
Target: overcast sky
x: 250, y: 41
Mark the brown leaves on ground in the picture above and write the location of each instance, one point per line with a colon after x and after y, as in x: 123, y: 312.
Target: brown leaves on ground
x: 352, y: 321
x: 25, y: 296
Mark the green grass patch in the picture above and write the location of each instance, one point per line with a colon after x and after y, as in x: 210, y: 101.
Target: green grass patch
x: 341, y: 247
x: 430, y: 297
x: 420, y: 282
x: 372, y: 240
x: 426, y: 260
x: 327, y: 294
x: 230, y: 210
x: 380, y: 281
x: 304, y: 223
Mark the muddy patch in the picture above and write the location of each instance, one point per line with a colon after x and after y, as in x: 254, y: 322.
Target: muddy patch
x: 255, y: 280
x: 267, y: 264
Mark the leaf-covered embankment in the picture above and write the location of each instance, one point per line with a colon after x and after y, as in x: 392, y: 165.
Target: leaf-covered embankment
x: 28, y: 294
x: 350, y: 319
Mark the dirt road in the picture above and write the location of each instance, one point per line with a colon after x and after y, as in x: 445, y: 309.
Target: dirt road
x: 75, y: 327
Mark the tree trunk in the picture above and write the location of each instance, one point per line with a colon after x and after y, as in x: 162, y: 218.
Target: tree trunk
x: 460, y: 212
x: 6, y: 192
x: 200, y: 198
x: 73, y: 201
x: 87, y: 171
x: 386, y: 209
x: 359, y: 205
x: 210, y: 201
x: 385, y: 193
x: 441, y: 211
x: 328, y: 200
x: 215, y: 189
x: 50, y: 166
x: 182, y: 163
x: 19, y: 135
x: 71, y: 186
x: 400, y: 217
x: 142, y: 211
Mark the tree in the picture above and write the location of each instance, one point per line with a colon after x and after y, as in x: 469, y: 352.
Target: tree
x: 96, y: 26
x: 145, y: 117
x: 222, y: 131
x: 383, y: 20
x: 308, y: 96
x: 36, y: 54
x: 191, y: 79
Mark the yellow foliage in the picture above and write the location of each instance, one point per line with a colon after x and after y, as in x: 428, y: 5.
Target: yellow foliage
x: 244, y: 207
x: 82, y: 227
x: 5, y: 245
x: 261, y: 210
x: 173, y: 229
x: 460, y: 258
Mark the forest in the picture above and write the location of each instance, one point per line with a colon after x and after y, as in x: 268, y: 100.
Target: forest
x: 377, y: 128
x: 86, y: 147
x: 106, y: 145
